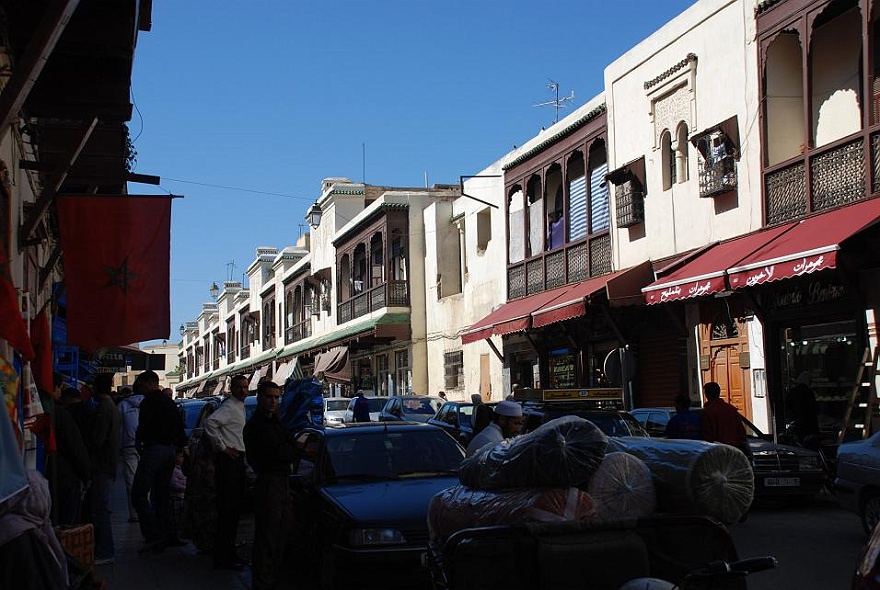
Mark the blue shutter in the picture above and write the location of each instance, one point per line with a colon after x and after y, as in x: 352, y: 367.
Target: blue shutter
x: 599, y: 198
x: 577, y: 208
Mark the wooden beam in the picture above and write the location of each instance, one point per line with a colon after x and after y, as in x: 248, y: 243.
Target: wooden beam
x: 35, y: 56
x: 47, y: 270
x: 49, y: 192
x: 495, y: 349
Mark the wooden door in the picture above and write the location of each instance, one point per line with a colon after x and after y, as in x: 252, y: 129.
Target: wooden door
x: 724, y: 369
x: 485, y: 378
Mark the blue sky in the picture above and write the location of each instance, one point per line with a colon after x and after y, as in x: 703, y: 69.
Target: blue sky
x: 271, y: 96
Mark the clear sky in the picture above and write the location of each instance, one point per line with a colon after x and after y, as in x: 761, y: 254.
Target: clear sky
x: 271, y: 96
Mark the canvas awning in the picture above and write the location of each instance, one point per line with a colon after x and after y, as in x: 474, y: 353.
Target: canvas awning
x: 810, y: 246
x: 255, y: 378
x: 334, y: 365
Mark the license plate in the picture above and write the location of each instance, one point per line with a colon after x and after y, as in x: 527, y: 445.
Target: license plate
x: 781, y: 482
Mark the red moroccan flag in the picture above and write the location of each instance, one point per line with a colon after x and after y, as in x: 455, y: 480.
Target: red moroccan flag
x: 41, y: 367
x: 116, y: 253
x: 12, y: 327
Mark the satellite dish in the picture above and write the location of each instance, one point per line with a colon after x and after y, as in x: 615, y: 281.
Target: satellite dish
x: 619, y: 366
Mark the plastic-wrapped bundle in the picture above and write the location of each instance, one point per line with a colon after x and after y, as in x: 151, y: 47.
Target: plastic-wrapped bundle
x: 301, y: 405
x: 560, y: 453
x: 622, y: 487
x: 460, y: 507
x: 693, y: 476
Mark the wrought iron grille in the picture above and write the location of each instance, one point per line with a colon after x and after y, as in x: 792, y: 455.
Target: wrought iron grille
x: 717, y: 177
x: 398, y: 293
x: 577, y: 263
x: 600, y: 255
x: 535, y: 275
x: 344, y: 310
x: 360, y: 305
x: 786, y: 194
x: 630, y: 201
x: 555, y: 268
x: 516, y: 281
x: 838, y: 176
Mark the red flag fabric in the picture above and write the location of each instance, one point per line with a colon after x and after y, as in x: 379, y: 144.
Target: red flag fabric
x: 12, y: 326
x: 41, y: 334
x: 116, y: 253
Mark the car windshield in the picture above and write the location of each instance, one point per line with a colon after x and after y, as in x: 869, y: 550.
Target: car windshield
x: 393, y: 454
x: 418, y: 406
x: 377, y: 403
x: 335, y: 405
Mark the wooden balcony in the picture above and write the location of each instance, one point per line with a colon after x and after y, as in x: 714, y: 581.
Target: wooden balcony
x: 298, y: 332
x: 571, y: 263
x: 245, y: 352
x: 390, y: 294
x: 842, y: 172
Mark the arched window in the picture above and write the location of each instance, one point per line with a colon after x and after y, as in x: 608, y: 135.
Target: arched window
x: 667, y: 156
x: 681, y: 152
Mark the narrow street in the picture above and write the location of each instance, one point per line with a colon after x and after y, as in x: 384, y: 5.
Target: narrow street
x: 817, y: 545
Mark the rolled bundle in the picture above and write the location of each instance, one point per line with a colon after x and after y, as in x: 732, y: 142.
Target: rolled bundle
x: 560, y: 453
x: 695, y: 477
x: 622, y: 487
x: 460, y: 507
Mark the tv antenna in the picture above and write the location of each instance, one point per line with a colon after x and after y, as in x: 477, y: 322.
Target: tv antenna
x: 559, y: 103
x: 230, y: 268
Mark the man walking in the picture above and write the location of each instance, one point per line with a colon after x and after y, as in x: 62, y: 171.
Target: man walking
x: 722, y: 422
x: 224, y: 429
x: 104, y: 458
x: 270, y: 453
x: 508, y: 421
x: 129, y: 411
x: 159, y: 436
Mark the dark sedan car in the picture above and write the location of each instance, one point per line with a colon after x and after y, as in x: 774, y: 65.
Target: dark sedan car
x: 456, y: 418
x: 780, y: 470
x: 361, y: 500
x: 611, y: 422
x: 416, y: 408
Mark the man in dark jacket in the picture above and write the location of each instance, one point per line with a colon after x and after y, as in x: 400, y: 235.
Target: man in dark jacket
x: 105, y: 455
x: 159, y: 436
x: 68, y: 469
x: 269, y: 452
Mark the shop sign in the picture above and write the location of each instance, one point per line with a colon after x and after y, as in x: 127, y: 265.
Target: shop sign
x: 592, y: 393
x: 812, y: 293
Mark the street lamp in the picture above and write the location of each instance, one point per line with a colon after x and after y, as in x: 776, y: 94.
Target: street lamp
x: 214, y: 290
x: 313, y: 216
x: 182, y: 329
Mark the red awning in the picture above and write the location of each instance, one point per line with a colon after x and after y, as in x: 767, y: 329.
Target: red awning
x: 809, y: 247
x: 704, y: 274
x: 514, y: 316
x: 621, y: 287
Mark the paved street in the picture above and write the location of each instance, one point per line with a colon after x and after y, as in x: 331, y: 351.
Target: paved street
x: 817, y: 545
x: 175, y: 569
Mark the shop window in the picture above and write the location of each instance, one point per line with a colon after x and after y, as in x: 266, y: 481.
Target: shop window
x: 453, y: 369
x: 629, y: 193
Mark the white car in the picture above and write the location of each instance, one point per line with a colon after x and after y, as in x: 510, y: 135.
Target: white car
x: 376, y: 405
x: 334, y: 409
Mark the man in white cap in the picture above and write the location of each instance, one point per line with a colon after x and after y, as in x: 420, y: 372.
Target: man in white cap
x: 508, y: 421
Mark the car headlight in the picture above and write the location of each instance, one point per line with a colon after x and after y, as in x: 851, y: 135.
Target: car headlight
x: 808, y: 463
x: 362, y: 537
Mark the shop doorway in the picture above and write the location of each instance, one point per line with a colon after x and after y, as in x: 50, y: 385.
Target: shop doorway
x: 724, y: 357
x: 725, y: 370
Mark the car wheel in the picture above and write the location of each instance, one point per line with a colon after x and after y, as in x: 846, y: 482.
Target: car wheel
x: 328, y: 570
x: 870, y: 510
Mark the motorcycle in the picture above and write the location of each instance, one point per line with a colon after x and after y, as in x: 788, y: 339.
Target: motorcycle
x: 708, y: 577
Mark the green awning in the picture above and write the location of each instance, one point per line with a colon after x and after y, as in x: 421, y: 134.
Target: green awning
x: 345, y: 331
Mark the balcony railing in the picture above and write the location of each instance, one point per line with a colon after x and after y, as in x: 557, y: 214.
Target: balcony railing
x: 245, y: 352
x: 298, y: 332
x: 717, y: 177
x: 268, y: 342
x: 389, y: 294
x: 230, y: 356
x: 571, y: 263
x: 216, y: 364
x: 824, y: 178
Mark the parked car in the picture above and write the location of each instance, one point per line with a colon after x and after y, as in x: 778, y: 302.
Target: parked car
x: 780, y: 470
x: 611, y: 422
x: 194, y: 412
x: 361, y: 500
x: 417, y: 408
x: 376, y: 405
x: 858, y: 479
x: 456, y: 419
x: 334, y: 409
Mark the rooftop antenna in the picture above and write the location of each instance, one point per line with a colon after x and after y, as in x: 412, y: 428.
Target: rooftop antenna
x: 300, y: 226
x: 230, y: 269
x: 559, y: 103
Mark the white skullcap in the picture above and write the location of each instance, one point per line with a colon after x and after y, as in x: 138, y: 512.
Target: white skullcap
x: 508, y: 408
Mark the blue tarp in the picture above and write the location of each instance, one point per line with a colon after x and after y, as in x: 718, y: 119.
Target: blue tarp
x: 302, y: 405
